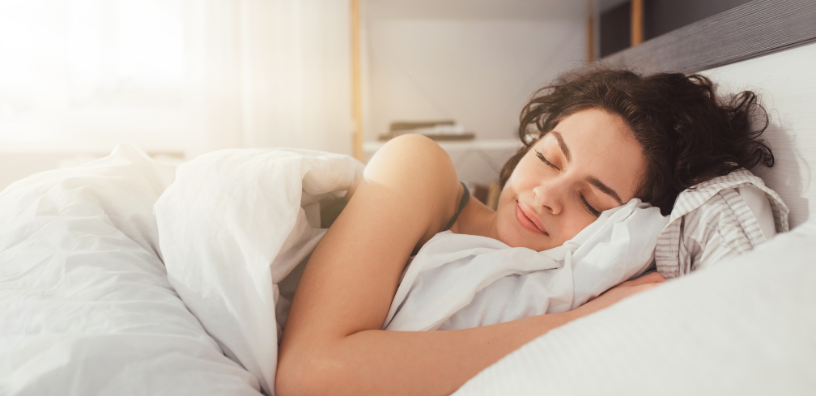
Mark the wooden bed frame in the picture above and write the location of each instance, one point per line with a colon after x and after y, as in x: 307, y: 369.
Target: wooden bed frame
x: 769, y: 47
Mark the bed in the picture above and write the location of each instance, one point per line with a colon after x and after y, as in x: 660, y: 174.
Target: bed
x: 89, y: 306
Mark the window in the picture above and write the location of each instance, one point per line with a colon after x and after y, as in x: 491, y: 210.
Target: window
x: 90, y: 73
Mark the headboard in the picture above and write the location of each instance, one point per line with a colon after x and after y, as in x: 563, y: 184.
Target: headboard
x: 769, y: 47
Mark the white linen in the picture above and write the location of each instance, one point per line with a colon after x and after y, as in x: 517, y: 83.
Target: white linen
x: 461, y: 281
x: 85, y: 305
x: 86, y: 301
x: 744, y: 327
x: 232, y: 227
x: 714, y: 221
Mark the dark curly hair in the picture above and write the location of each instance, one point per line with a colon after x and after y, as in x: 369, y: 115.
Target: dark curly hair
x: 687, y: 133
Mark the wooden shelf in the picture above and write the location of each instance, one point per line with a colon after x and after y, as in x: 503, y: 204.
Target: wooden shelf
x: 477, y: 160
x: 476, y: 144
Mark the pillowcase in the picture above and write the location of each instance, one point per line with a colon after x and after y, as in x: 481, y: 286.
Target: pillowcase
x: 718, y: 219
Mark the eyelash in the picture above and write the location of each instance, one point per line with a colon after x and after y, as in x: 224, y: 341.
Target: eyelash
x: 590, y: 208
x: 586, y: 204
x: 541, y: 157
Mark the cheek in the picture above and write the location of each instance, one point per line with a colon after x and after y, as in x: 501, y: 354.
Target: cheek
x: 573, y: 225
x: 505, y: 217
x: 507, y: 194
x: 519, y: 182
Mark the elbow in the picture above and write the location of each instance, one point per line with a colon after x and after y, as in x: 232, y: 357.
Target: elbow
x: 292, y: 378
x: 305, y: 376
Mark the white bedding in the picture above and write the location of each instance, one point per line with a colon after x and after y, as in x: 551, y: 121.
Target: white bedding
x: 461, y: 281
x: 744, y: 327
x: 85, y: 305
x: 231, y: 227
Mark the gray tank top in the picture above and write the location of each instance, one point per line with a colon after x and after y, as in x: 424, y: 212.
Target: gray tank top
x: 462, y: 203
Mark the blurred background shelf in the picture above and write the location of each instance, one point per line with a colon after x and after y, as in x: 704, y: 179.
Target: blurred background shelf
x: 476, y: 161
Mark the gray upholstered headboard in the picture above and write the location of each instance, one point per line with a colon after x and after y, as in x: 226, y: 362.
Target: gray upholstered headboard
x: 769, y: 47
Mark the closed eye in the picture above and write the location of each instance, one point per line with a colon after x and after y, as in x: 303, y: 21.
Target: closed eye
x: 544, y: 160
x: 589, y: 207
x: 586, y: 204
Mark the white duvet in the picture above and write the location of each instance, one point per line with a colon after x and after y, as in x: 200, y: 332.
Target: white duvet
x: 461, y: 281
x: 85, y: 304
x: 231, y: 227
x: 103, y: 292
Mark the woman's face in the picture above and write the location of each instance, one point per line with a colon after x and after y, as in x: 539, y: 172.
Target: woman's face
x: 589, y: 163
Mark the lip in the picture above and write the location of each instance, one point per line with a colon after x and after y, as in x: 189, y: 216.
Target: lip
x: 528, y: 219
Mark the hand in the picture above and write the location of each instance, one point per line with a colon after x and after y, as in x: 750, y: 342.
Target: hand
x: 620, y: 292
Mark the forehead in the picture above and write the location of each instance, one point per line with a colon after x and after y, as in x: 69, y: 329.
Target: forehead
x: 596, y: 122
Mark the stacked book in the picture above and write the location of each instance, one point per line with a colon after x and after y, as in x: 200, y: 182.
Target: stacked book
x: 437, y: 130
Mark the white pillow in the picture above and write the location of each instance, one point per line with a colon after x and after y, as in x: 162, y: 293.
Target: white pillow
x: 718, y: 219
x: 744, y: 327
x: 85, y: 305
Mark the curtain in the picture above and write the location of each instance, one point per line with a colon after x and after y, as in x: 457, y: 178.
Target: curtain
x: 267, y: 73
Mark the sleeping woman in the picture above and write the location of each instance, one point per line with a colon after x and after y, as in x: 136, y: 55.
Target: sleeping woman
x: 591, y: 142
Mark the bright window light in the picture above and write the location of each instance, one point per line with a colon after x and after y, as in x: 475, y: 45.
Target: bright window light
x: 91, y: 72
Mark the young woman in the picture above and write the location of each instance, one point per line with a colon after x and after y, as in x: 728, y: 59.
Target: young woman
x: 592, y: 141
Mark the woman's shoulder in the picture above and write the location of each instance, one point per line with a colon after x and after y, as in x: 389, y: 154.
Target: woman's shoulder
x: 410, y: 160
x: 420, y: 171
x: 415, y: 146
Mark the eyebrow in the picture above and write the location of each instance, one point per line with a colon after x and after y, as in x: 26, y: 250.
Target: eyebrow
x: 604, y: 188
x: 591, y: 180
x: 564, y: 148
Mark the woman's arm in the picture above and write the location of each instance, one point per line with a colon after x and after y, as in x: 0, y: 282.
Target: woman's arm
x: 332, y: 343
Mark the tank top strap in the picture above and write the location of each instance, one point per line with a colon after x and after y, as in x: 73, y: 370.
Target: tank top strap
x: 462, y: 203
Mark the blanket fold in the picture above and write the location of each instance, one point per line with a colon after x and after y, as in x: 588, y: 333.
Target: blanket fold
x: 462, y: 281
x: 231, y: 227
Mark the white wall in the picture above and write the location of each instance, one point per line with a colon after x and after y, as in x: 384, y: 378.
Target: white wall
x: 476, y: 70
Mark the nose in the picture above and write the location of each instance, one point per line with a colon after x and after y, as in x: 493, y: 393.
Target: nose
x: 549, y: 195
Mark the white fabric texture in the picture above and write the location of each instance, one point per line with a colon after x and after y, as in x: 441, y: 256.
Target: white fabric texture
x: 85, y: 305
x: 713, y: 221
x: 461, y: 281
x: 231, y: 227
x: 744, y: 327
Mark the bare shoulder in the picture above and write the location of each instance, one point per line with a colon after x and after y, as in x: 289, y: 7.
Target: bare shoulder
x: 414, y: 155
x: 420, y: 172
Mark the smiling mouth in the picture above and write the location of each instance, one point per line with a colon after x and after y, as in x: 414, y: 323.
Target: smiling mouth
x: 526, y: 221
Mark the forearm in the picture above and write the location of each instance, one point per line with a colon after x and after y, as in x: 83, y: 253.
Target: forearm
x: 381, y: 362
